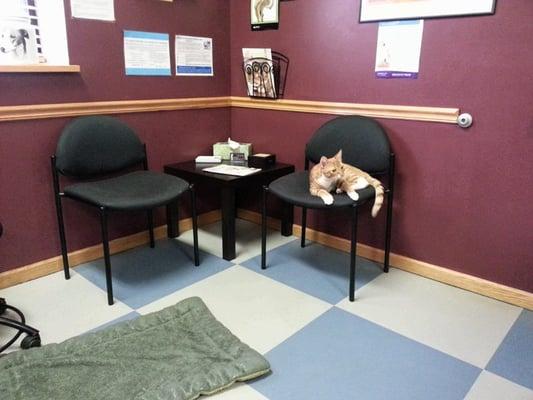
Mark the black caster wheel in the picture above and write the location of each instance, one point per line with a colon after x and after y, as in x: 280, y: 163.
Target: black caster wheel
x: 30, y: 341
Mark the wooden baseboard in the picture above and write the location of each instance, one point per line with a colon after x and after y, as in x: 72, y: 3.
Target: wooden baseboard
x: 54, y: 264
x: 471, y: 283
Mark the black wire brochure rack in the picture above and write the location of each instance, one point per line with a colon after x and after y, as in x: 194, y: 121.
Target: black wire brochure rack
x: 266, y: 78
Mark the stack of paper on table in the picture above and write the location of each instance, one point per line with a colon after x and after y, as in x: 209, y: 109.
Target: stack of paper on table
x: 232, y: 170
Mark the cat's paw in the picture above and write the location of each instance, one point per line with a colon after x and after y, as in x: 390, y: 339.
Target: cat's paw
x: 338, y: 190
x: 328, y: 200
x: 353, y: 195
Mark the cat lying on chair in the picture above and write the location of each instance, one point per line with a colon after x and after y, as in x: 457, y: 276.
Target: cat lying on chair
x: 332, y: 173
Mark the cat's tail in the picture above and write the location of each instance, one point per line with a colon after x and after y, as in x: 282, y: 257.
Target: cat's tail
x: 380, y: 194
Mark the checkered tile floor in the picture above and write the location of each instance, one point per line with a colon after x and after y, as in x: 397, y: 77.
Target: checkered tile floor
x: 405, y: 337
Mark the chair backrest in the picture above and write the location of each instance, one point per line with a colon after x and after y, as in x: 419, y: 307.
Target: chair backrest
x: 363, y: 141
x: 97, y: 145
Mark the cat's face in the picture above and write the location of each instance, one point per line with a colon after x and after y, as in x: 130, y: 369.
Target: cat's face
x: 332, y: 167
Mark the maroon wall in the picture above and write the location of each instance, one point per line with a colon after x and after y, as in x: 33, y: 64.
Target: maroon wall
x: 26, y: 197
x: 463, y: 195
x: 463, y: 198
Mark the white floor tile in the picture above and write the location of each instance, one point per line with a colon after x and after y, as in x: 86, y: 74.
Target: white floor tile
x: 258, y: 310
x: 239, y: 391
x: 60, y: 309
x: 463, y: 324
x: 248, y: 243
x: 493, y: 387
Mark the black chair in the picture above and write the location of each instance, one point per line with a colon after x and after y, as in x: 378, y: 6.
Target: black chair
x: 32, y: 338
x: 93, y: 148
x: 365, y: 145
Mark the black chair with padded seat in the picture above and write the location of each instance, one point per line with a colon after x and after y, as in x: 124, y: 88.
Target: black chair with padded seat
x: 365, y: 145
x: 94, y: 150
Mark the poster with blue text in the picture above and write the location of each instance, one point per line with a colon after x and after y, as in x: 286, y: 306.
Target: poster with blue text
x: 147, y: 53
x: 194, y: 56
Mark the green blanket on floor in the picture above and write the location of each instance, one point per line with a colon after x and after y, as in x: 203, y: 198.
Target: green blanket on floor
x: 180, y: 352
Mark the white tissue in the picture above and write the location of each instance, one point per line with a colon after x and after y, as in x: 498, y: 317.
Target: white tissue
x: 233, y: 144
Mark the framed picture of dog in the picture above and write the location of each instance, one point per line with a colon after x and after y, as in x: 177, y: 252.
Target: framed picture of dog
x: 391, y: 10
x: 18, y: 44
x: 264, y: 14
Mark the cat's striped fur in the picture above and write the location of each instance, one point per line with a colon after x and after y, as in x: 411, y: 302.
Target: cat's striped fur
x: 332, y: 173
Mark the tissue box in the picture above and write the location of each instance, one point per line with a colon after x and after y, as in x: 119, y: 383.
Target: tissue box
x: 223, y: 150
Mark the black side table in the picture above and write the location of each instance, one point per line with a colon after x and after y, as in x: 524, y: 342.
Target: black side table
x: 228, y: 184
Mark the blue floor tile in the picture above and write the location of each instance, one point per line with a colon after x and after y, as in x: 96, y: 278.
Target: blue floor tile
x: 342, y: 356
x: 143, y: 275
x: 514, y: 358
x: 316, y: 270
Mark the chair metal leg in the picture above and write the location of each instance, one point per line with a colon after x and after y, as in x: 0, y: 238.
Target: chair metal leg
x: 263, y: 227
x: 304, y: 226
x: 287, y: 218
x: 388, y: 233
x: 60, y: 221
x: 151, y: 228
x: 62, y: 237
x: 173, y: 220
x: 353, y: 253
x: 194, y: 225
x: 107, y: 258
x: 390, y: 196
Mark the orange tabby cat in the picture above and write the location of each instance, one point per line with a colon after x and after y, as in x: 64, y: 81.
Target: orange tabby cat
x: 332, y: 173
x: 324, y: 177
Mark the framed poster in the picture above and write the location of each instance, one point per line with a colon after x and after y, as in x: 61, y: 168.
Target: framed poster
x: 392, y: 10
x: 264, y: 14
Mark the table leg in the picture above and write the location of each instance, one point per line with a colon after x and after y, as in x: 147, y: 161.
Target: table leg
x: 228, y: 223
x: 287, y: 219
x: 173, y: 219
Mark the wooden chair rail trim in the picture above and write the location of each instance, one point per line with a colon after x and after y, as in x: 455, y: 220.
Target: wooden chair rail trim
x: 43, y: 111
x: 431, y: 114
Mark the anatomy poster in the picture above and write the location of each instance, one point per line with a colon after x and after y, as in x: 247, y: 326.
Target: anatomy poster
x: 264, y: 14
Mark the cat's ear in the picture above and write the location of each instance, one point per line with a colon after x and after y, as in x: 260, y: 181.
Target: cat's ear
x: 338, y: 156
x: 323, y: 161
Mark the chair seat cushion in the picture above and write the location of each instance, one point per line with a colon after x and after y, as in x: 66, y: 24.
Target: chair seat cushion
x: 137, y: 190
x: 294, y: 188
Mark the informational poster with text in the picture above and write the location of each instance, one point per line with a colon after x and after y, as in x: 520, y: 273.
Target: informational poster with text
x: 398, y: 49
x: 147, y: 53
x: 194, y: 56
x: 103, y: 10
